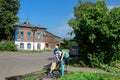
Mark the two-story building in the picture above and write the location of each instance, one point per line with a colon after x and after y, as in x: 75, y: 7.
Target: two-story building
x: 31, y: 37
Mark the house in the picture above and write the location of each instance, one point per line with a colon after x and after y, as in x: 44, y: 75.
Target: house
x: 31, y: 37
x: 51, y: 40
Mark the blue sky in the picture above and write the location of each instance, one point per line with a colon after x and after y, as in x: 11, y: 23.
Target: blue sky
x: 52, y: 14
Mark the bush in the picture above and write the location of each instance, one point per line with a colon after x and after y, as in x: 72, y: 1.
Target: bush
x: 8, y: 46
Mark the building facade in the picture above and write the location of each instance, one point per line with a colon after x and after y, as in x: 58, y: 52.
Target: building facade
x: 51, y: 40
x: 31, y: 37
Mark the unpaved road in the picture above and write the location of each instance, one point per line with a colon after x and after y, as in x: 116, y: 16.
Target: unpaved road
x: 12, y: 64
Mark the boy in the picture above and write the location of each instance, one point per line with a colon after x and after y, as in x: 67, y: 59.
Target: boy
x: 56, y: 60
x: 65, y: 58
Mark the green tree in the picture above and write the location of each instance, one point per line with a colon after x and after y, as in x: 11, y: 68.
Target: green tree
x: 67, y: 43
x: 8, y: 12
x: 114, y: 33
x: 96, y: 32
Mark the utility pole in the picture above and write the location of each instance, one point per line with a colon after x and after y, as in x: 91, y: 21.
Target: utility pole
x: 34, y: 29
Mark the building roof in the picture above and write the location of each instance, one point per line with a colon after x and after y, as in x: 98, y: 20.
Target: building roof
x: 52, y: 34
x: 28, y: 25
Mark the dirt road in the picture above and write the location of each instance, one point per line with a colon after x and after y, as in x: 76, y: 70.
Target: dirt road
x: 18, y: 64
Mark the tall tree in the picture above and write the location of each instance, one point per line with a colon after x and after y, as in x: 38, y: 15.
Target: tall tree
x: 8, y: 12
x: 114, y: 31
x: 92, y: 28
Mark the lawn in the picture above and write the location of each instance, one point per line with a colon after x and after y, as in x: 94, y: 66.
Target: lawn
x: 89, y: 76
x: 82, y: 76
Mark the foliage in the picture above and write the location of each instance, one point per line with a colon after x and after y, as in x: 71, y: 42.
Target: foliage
x: 74, y: 62
x: 8, y: 12
x: 97, y: 32
x: 114, y: 67
x: 8, y: 46
x: 89, y: 76
x: 77, y: 63
x: 67, y: 43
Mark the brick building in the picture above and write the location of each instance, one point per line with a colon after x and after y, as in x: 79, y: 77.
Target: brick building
x: 31, y: 37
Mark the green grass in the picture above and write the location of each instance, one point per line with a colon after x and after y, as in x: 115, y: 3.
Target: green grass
x: 83, y: 76
x: 30, y: 78
x: 30, y: 51
x: 89, y: 76
x: 26, y: 51
x: 35, y: 51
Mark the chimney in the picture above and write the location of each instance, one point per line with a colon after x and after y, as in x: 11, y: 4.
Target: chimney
x: 26, y: 22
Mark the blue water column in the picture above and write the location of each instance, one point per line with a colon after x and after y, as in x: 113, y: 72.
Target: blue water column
x: 62, y: 68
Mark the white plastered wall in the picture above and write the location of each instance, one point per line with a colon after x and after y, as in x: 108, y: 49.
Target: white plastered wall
x: 42, y: 45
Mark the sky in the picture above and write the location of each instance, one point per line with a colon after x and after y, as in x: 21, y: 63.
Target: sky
x: 52, y: 14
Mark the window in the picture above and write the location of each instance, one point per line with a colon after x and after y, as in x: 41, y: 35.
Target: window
x: 38, y: 46
x: 46, y: 45
x: 38, y: 35
x: 21, y: 35
x: 22, y: 46
x: 29, y: 46
x: 29, y: 35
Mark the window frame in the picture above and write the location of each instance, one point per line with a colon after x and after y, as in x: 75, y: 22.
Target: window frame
x: 38, y: 46
x: 22, y: 35
x: 21, y: 46
x: 28, y: 44
x: 38, y: 35
x: 29, y: 35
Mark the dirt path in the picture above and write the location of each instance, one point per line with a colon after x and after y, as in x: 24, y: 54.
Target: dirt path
x: 86, y: 69
x: 12, y: 64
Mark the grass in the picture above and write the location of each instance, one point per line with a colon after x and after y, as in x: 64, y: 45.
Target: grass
x: 89, y: 76
x: 82, y: 76
x: 35, y: 51
x: 26, y: 51
x: 30, y: 78
x: 3, y: 52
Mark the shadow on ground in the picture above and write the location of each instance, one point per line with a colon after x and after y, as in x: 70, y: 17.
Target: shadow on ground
x: 38, y: 75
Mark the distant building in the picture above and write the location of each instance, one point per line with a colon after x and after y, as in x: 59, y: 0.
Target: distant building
x: 51, y: 40
x: 31, y: 37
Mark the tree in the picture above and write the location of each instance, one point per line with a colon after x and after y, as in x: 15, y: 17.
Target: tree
x: 96, y: 32
x: 67, y: 43
x: 114, y: 31
x: 8, y: 12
